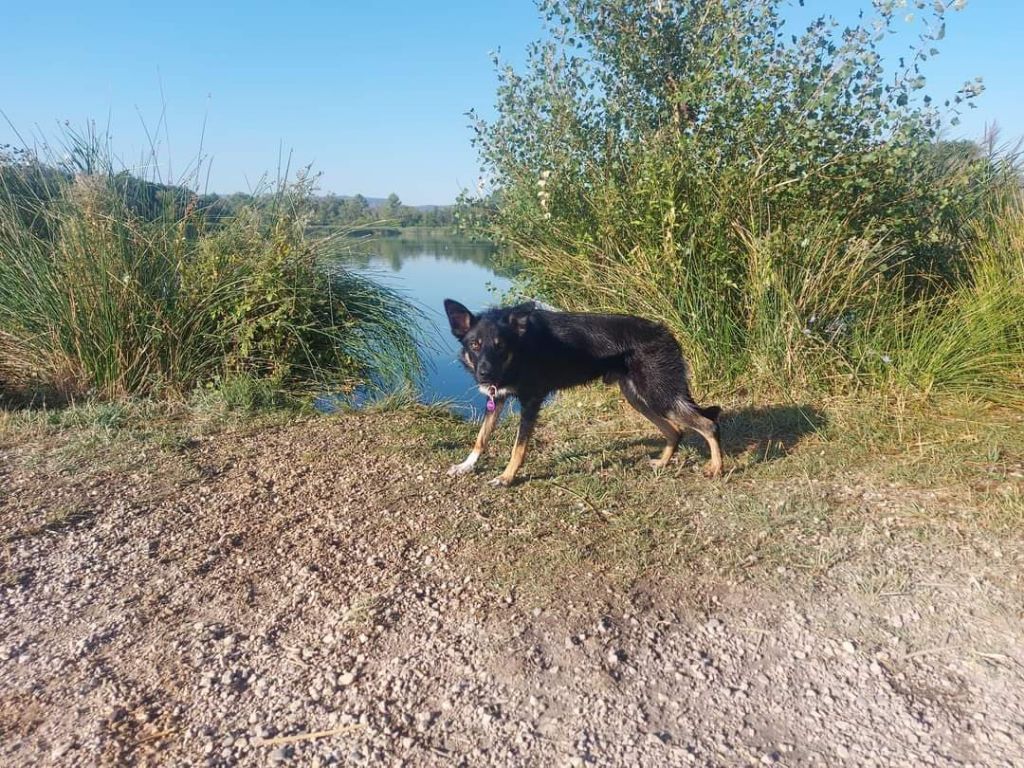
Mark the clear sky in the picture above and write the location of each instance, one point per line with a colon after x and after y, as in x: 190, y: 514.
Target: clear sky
x: 373, y: 94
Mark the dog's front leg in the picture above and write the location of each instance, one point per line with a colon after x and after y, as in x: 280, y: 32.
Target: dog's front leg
x: 490, y: 421
x: 531, y: 409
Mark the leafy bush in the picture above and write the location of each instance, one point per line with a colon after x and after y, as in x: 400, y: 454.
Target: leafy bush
x: 112, y: 285
x: 781, y: 201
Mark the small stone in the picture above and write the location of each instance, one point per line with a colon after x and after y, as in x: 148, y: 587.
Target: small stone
x: 60, y: 750
x: 282, y: 754
x: 346, y: 679
x: 849, y: 647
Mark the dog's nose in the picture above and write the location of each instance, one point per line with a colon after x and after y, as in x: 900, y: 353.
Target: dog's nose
x: 483, y: 369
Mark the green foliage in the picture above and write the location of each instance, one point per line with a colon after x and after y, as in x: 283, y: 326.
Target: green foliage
x: 340, y: 212
x: 113, y: 286
x: 779, y: 200
x: 970, y: 339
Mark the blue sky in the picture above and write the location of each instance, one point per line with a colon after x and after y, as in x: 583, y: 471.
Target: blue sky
x: 372, y: 94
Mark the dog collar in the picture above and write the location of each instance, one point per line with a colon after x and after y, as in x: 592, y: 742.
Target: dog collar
x: 492, y: 391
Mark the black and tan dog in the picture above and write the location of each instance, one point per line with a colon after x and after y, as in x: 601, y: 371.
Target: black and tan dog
x: 527, y: 352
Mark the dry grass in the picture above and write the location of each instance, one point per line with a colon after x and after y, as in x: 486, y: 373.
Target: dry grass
x: 808, y: 489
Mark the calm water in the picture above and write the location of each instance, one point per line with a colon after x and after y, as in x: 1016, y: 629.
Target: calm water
x: 428, y: 272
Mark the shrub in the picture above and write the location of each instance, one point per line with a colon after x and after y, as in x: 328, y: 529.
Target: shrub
x: 112, y: 285
x: 782, y: 202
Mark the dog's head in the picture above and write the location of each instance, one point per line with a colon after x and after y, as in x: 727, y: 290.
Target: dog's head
x: 490, y: 340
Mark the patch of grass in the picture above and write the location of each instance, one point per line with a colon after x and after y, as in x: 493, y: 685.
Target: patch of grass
x: 807, y: 488
x: 113, y: 286
x: 239, y: 394
x: 362, y: 611
x: 811, y: 493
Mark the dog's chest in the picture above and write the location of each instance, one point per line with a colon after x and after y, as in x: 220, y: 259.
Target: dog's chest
x: 498, y: 392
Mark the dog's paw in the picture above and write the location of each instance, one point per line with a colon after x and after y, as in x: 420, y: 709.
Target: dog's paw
x: 500, y: 482
x: 713, y: 470
x: 466, y: 466
x: 455, y: 470
x: 658, y: 464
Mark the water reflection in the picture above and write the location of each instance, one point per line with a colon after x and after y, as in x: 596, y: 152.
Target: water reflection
x: 429, y: 270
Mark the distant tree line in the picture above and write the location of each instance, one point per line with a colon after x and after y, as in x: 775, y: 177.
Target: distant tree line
x: 23, y: 177
x: 349, y: 211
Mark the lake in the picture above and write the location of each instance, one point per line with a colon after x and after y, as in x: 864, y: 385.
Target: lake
x: 428, y: 271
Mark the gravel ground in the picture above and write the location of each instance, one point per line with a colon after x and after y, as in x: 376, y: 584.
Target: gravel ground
x: 293, y: 596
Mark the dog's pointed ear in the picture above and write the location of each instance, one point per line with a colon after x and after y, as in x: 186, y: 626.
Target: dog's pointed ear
x: 459, y: 318
x: 520, y: 320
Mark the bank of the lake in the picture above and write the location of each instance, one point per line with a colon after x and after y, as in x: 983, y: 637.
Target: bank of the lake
x: 427, y: 270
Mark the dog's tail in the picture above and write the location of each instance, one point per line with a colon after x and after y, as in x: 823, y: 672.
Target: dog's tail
x: 710, y: 412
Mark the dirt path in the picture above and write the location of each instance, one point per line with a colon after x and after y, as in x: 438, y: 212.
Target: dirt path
x: 212, y: 601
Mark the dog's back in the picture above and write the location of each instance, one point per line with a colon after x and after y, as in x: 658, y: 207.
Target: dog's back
x: 565, y: 349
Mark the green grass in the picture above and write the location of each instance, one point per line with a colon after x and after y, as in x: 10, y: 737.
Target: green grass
x: 817, y: 312
x: 807, y: 488
x: 113, y: 286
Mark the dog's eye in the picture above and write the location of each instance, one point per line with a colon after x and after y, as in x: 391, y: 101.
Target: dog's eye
x: 497, y: 344
x: 475, y: 345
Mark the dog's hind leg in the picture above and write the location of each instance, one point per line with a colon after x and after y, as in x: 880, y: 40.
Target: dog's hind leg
x: 689, y: 414
x: 528, y: 420
x: 486, y: 428
x: 671, y: 434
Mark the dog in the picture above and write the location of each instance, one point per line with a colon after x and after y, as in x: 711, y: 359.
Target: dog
x: 528, y: 352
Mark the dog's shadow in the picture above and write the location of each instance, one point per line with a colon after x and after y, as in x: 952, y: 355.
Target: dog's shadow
x: 761, y: 434
x: 770, y: 432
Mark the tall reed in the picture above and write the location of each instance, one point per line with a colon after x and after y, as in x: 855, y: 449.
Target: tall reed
x: 112, y: 285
